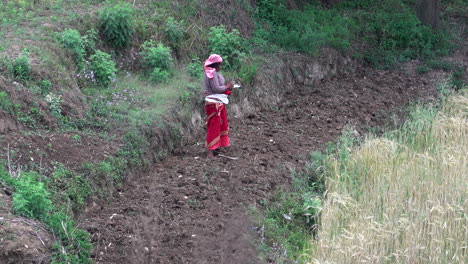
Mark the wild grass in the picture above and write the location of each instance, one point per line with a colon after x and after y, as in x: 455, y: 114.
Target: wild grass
x: 407, y: 202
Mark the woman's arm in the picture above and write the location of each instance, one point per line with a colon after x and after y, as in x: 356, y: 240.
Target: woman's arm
x: 217, y: 84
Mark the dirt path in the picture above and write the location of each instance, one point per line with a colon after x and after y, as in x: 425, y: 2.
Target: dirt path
x: 191, y: 210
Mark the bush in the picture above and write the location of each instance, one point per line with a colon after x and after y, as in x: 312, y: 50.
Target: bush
x: 71, y: 39
x: 102, y: 67
x: 231, y: 46
x: 44, y: 86
x: 194, y: 69
x: 30, y: 198
x: 71, y: 188
x: 117, y: 25
x: 159, y: 75
x: 21, y: 68
x: 5, y: 103
x: 156, y: 56
x: 174, y: 32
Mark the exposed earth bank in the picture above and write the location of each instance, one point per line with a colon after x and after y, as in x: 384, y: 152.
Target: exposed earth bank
x: 188, y: 209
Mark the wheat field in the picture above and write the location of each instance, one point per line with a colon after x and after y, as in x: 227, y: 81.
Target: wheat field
x: 401, y: 198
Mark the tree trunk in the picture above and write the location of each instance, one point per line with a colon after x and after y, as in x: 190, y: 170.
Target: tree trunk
x: 428, y: 12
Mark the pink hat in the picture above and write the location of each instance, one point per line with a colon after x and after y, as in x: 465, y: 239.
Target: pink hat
x: 214, y: 58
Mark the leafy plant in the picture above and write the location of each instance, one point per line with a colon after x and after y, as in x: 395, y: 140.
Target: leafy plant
x: 174, y: 32
x: 70, y: 188
x: 247, y: 71
x: 158, y: 60
x: 103, y: 68
x: 5, y: 102
x: 156, y: 56
x: 230, y: 45
x: 73, y: 245
x: 55, y: 102
x: 72, y: 40
x: 44, y: 86
x: 21, y: 67
x: 159, y: 75
x: 116, y: 24
x: 30, y: 198
x: 194, y: 68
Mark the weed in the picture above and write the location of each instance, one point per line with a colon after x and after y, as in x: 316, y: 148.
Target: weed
x: 76, y: 137
x: 247, y: 71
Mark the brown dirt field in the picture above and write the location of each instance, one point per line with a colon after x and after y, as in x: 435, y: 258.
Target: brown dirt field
x: 188, y: 209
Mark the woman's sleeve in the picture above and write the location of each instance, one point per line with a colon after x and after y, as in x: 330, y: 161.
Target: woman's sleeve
x: 216, y: 86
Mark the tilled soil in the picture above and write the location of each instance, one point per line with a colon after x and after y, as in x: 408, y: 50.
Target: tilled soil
x: 189, y: 209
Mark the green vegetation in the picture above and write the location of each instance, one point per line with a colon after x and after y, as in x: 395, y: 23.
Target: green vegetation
x: 408, y: 204
x: 5, y: 102
x: 287, y: 221
x: 230, y: 45
x: 116, y: 24
x: 102, y: 68
x: 158, y: 59
x: 381, y: 195
x: 32, y: 199
x: 21, y: 68
x: 382, y: 33
x: 71, y: 39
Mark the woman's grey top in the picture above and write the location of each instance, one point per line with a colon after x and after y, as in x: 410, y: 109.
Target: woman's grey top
x: 215, y: 85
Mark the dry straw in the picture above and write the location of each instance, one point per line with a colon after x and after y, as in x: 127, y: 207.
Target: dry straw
x: 409, y: 204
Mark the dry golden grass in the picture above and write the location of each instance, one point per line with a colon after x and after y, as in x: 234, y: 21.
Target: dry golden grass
x: 409, y: 204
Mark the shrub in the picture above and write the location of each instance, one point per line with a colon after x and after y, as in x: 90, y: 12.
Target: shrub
x: 71, y: 39
x: 44, y: 86
x: 174, y: 31
x: 159, y: 75
x: 71, y: 188
x: 5, y: 102
x: 30, y: 198
x: 194, y: 69
x: 54, y: 102
x: 156, y: 56
x: 21, y: 68
x: 230, y: 46
x: 116, y: 24
x: 102, y: 67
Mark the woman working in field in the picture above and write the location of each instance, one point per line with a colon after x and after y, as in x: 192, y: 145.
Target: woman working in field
x: 216, y: 91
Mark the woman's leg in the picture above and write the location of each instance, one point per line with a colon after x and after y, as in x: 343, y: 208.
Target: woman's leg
x: 213, y: 129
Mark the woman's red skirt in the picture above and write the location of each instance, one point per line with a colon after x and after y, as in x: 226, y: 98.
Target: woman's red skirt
x: 217, y: 128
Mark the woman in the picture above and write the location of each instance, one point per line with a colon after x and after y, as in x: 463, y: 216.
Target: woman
x: 216, y: 91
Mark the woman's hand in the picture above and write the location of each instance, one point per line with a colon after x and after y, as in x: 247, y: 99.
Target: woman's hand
x: 230, y: 85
